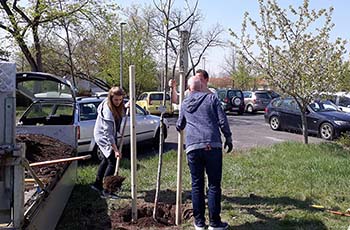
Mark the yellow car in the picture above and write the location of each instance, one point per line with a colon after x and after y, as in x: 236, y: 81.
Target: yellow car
x: 153, y: 101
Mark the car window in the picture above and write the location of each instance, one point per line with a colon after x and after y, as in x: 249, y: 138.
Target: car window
x: 62, y: 110
x: 221, y: 95
x: 273, y: 94
x: 234, y: 93
x: 344, y: 101
x: 88, y: 111
x: 139, y: 111
x: 276, y: 103
x: 158, y: 96
x: 142, y: 97
x: 262, y: 95
x: 247, y: 94
x: 289, y: 104
x: 48, y: 114
x: 323, y: 106
x: 39, y: 110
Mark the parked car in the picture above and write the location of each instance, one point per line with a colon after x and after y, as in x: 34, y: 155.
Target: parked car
x: 231, y: 100
x: 323, y: 118
x: 273, y: 94
x: 147, y: 126
x: 152, y: 102
x: 48, y: 99
x: 256, y: 100
x: 341, y: 99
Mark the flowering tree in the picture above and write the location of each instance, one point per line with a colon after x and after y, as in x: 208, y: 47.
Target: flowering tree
x: 294, y: 51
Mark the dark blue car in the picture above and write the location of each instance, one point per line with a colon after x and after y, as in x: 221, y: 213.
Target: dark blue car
x: 323, y: 117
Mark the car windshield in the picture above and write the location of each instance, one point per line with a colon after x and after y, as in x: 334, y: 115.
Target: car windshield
x: 234, y: 93
x: 323, y: 106
x: 262, y: 95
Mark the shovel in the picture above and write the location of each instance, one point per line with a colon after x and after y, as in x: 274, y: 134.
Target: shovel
x: 113, y: 183
x: 64, y: 160
x: 121, y: 141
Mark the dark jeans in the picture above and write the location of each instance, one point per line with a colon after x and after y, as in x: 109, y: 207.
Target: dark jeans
x: 106, y: 167
x: 209, y: 161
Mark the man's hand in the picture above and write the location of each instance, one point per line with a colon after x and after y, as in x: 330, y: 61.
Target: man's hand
x: 229, y: 146
x: 117, y: 154
x: 172, y: 83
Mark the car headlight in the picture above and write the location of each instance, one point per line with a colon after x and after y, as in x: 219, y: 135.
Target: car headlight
x: 341, y: 122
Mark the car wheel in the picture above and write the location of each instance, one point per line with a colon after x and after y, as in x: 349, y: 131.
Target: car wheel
x: 250, y: 109
x: 94, y: 154
x: 326, y: 131
x: 275, y: 123
x: 99, y: 154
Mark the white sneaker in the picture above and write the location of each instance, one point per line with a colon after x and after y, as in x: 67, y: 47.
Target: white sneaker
x: 221, y: 226
x: 198, y: 227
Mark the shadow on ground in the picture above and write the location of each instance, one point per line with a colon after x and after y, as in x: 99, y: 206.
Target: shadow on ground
x: 82, y: 212
x: 257, y: 206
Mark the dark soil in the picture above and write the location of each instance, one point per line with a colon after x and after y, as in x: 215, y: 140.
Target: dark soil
x: 113, y: 183
x: 165, y: 216
x: 43, y: 148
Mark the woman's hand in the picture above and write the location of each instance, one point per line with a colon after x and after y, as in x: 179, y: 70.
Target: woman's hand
x: 117, y: 153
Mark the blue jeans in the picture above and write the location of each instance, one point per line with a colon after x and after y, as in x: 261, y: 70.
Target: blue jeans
x: 209, y: 161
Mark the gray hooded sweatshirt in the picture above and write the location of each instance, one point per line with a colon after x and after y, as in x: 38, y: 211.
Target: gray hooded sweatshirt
x: 105, y: 129
x: 202, y: 118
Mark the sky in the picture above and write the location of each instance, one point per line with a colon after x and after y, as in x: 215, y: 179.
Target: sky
x: 229, y: 14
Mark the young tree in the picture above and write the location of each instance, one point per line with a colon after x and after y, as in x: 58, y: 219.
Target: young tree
x: 294, y: 51
x: 22, y: 21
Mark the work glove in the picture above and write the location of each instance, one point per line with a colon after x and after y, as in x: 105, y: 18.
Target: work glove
x: 229, y: 146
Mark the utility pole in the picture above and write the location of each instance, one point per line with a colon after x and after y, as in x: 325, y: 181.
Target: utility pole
x: 121, y: 55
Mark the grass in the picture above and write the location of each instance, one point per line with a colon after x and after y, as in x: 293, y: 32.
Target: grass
x: 263, y: 188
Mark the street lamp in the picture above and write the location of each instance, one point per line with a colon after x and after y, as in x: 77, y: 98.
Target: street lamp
x: 121, y: 54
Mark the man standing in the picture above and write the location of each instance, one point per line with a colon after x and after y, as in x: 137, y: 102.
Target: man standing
x: 202, y: 118
x: 204, y: 78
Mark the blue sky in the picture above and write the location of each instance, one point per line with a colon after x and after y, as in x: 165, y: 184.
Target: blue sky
x: 229, y: 14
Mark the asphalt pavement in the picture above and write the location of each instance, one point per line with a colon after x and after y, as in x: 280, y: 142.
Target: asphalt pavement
x: 248, y: 131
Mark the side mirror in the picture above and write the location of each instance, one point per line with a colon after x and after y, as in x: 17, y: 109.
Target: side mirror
x: 146, y: 112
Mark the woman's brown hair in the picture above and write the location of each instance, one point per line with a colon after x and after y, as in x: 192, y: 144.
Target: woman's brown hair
x: 117, y: 111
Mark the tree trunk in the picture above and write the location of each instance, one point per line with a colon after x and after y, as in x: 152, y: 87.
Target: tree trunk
x: 37, y: 45
x: 27, y: 53
x: 304, y: 126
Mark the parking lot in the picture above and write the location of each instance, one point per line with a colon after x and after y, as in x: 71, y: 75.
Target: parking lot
x: 248, y: 130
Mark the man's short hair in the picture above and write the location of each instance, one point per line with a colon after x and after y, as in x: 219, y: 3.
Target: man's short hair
x: 205, y: 73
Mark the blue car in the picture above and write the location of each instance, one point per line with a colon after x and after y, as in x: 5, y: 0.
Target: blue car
x: 324, y: 119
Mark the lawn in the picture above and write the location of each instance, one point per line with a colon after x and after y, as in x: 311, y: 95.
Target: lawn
x: 263, y: 188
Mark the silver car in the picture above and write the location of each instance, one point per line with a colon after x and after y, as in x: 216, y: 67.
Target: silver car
x: 256, y: 100
x: 147, y: 126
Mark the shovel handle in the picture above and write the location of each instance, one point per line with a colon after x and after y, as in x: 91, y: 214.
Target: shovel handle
x: 121, y: 141
x: 59, y: 161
